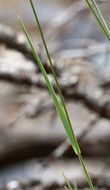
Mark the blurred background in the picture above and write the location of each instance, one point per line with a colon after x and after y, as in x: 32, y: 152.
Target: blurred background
x: 33, y: 145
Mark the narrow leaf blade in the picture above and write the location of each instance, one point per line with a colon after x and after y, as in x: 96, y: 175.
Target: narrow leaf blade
x: 56, y: 102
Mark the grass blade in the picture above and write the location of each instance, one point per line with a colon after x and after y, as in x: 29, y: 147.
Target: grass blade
x: 86, y: 172
x: 67, y: 182
x: 56, y: 101
x: 97, y: 13
x: 59, y: 104
x: 54, y: 74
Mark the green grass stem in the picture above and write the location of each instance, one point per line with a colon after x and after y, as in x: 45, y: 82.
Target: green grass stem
x: 97, y: 13
x: 59, y: 103
x: 54, y: 73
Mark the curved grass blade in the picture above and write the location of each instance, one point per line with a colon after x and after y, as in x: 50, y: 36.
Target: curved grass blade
x: 56, y: 101
x: 68, y: 183
x: 97, y: 13
x: 59, y: 107
x: 54, y: 73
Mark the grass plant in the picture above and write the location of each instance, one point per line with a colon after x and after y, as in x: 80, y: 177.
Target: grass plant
x: 68, y: 185
x: 100, y: 18
x: 58, y: 99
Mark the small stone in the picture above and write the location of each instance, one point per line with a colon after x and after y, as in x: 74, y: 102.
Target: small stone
x: 13, y: 185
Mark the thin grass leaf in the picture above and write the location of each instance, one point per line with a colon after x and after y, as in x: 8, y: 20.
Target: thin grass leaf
x: 67, y: 183
x: 54, y: 73
x: 60, y: 106
x: 97, y: 13
x: 56, y: 102
x: 45, y: 46
x: 86, y: 172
